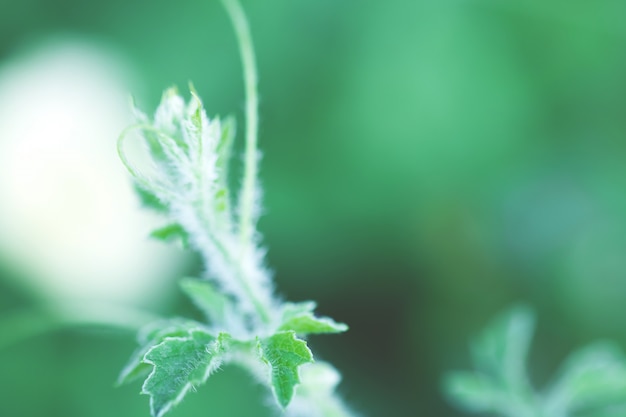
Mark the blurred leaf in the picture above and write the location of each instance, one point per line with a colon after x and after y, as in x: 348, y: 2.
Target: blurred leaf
x: 500, y: 384
x: 592, y: 378
x: 170, y: 233
x: 474, y: 392
x: 592, y: 381
x: 216, y: 306
x: 319, y: 379
x: 149, y: 200
x: 501, y: 350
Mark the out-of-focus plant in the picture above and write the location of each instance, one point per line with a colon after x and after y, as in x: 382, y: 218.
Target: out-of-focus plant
x: 186, y: 178
x: 591, y: 382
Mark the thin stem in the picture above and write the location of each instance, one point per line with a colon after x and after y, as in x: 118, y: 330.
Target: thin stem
x: 246, y: 49
x: 248, y: 191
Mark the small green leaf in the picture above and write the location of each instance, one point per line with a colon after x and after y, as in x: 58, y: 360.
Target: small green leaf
x: 197, y: 110
x: 149, y: 200
x: 215, y: 305
x: 150, y: 336
x: 170, y: 233
x: 179, y: 364
x: 299, y: 318
x: 284, y: 353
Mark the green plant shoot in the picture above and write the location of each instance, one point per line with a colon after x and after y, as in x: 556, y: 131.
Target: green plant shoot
x: 186, y: 178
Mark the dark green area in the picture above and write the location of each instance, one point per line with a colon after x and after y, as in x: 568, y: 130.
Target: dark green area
x: 426, y: 163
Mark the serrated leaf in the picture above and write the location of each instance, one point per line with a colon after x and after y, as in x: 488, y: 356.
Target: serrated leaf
x: 593, y: 377
x: 179, y: 364
x: 170, y: 233
x: 284, y: 353
x: 215, y: 305
x: 150, y: 336
x: 299, y: 318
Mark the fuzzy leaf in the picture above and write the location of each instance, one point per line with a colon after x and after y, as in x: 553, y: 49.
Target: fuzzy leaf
x: 215, y: 305
x: 284, y: 353
x: 591, y: 378
x: 180, y: 364
x: 150, y: 336
x: 299, y: 318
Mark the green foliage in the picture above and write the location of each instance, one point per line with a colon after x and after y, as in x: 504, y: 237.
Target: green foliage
x: 246, y: 324
x: 215, y: 305
x: 285, y: 353
x: 299, y: 318
x: 171, y: 232
x: 179, y: 364
x: 592, y: 381
x: 151, y: 336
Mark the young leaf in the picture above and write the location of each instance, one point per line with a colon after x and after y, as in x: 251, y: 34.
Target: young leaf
x: 592, y: 378
x: 215, y: 305
x: 501, y: 350
x: 500, y: 384
x: 299, y: 318
x: 179, y: 364
x: 284, y: 353
x: 149, y: 200
x: 150, y: 336
x: 475, y: 392
x: 170, y: 233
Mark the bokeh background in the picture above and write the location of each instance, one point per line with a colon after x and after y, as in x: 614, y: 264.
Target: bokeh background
x: 427, y: 163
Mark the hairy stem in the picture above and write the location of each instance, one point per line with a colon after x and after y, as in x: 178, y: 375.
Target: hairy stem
x: 244, y: 39
x: 248, y: 191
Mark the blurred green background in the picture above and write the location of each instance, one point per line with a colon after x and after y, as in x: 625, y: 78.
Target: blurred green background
x: 426, y: 164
